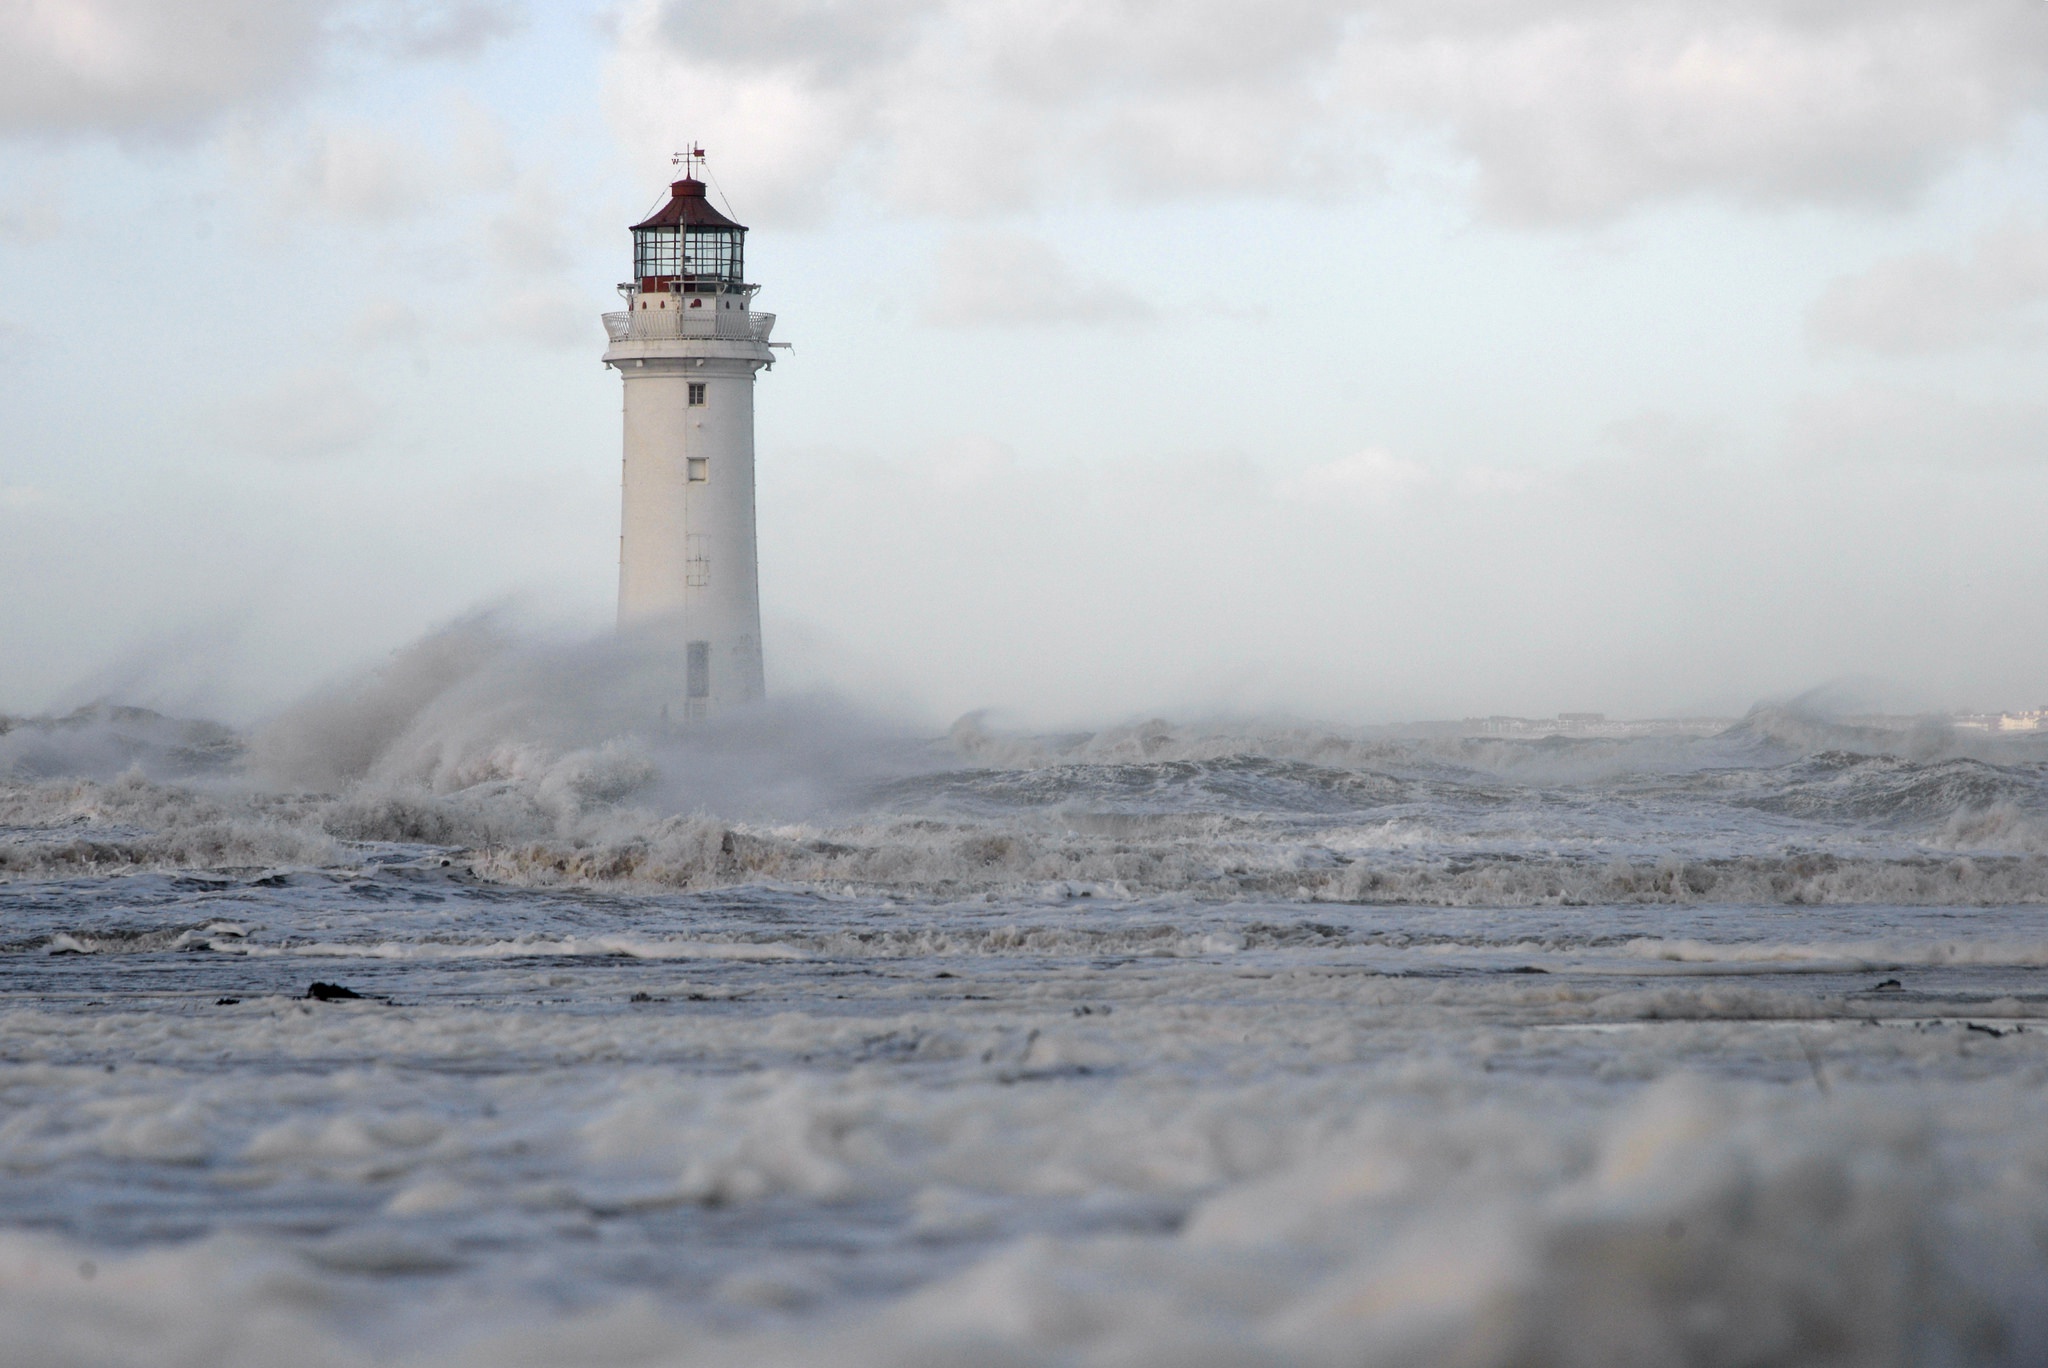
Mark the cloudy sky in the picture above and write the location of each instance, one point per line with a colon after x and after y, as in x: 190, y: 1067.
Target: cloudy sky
x: 1363, y: 360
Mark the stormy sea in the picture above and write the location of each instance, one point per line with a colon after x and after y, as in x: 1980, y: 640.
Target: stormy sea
x: 466, y: 1013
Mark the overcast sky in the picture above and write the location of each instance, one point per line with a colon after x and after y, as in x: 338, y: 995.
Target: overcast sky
x: 1370, y: 361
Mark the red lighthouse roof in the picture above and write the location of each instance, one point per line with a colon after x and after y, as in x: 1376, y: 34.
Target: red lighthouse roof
x: 687, y: 208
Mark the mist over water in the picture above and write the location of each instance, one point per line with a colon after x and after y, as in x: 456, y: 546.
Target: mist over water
x: 554, y: 761
x: 809, y: 1035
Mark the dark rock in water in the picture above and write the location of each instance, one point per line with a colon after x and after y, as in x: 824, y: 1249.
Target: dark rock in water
x: 227, y: 1002
x: 1527, y: 969
x: 640, y: 997
x: 332, y: 992
x: 1890, y: 986
x: 1991, y: 1031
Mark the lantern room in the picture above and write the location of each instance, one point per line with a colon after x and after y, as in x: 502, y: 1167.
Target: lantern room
x: 688, y: 247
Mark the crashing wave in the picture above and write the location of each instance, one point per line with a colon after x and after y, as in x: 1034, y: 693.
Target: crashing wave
x: 549, y: 765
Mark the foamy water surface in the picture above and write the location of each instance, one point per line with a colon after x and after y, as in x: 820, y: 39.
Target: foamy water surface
x: 809, y: 1041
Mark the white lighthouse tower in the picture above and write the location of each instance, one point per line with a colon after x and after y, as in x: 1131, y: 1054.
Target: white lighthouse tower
x: 687, y: 346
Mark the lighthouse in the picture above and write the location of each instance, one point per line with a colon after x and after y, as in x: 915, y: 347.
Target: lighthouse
x: 687, y: 347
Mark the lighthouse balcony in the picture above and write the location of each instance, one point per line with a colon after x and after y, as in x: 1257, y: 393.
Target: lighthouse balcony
x: 665, y: 317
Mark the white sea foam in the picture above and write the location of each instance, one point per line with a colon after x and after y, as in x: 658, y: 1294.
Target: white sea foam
x: 1696, y: 1221
x: 624, y: 946
x: 1852, y: 954
x: 467, y: 1013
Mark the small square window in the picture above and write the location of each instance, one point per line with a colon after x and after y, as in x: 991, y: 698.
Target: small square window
x: 697, y: 388
x: 700, y: 468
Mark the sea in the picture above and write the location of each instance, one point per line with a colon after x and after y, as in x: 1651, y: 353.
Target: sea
x: 469, y: 1013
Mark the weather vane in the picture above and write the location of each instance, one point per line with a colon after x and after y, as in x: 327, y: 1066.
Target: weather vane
x: 689, y: 159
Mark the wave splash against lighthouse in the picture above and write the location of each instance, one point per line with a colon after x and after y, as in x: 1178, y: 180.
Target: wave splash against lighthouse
x: 688, y: 346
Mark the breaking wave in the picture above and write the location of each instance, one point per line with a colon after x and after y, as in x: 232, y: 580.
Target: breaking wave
x: 544, y: 764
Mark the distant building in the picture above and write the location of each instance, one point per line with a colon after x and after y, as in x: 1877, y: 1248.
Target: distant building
x: 2036, y: 720
x: 1502, y: 726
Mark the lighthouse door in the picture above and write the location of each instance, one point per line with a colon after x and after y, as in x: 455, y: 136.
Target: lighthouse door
x: 697, y: 680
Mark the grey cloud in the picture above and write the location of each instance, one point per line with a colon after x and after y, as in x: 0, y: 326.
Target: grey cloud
x: 32, y: 214
x: 21, y: 498
x: 1568, y: 111
x: 481, y: 157
x: 1093, y: 50
x: 1655, y: 435
x: 961, y: 107
x: 127, y: 64
x: 1871, y: 423
x: 304, y: 415
x: 363, y: 173
x: 379, y: 174
x: 548, y: 319
x: 1004, y: 279
x: 831, y: 37
x: 1930, y: 302
x: 414, y: 28
x: 385, y: 322
x: 15, y: 341
x: 528, y: 237
x: 169, y: 67
x: 1581, y: 110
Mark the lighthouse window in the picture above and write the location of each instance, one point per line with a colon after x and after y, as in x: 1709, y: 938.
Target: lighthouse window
x: 696, y: 564
x: 713, y: 254
x: 657, y: 252
x: 700, y: 469
x: 697, y: 393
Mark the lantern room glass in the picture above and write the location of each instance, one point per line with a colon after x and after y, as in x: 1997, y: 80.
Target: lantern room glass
x: 657, y: 252
x: 713, y: 254
x: 700, y: 256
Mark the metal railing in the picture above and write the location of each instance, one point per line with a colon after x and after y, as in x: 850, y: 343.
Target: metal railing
x: 658, y: 325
